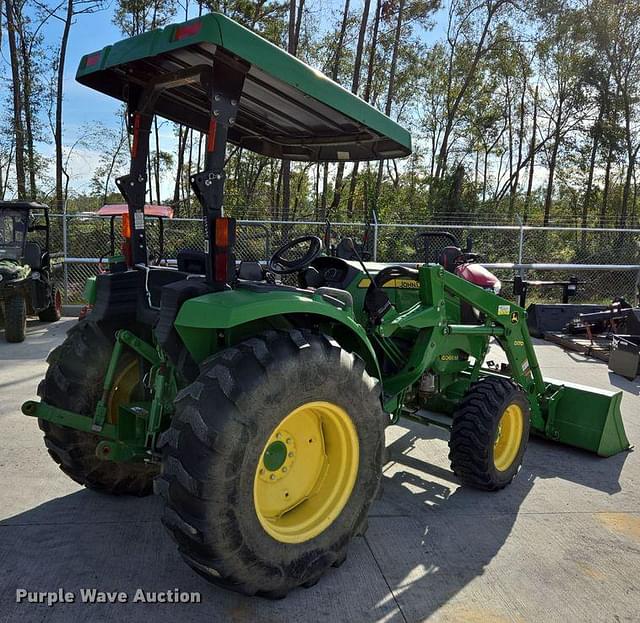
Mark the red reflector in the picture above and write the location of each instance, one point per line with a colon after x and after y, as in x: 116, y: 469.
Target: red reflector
x: 92, y: 59
x: 136, y: 132
x: 187, y: 30
x: 211, y: 135
x: 125, y: 248
x: 222, y: 232
x: 221, y: 261
x: 126, y: 226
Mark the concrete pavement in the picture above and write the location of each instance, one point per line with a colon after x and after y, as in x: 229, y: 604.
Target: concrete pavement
x: 562, y: 543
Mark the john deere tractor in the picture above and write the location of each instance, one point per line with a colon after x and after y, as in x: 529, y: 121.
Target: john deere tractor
x: 255, y: 409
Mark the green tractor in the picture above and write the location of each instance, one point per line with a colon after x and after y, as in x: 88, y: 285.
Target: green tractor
x: 257, y: 410
x: 27, y: 270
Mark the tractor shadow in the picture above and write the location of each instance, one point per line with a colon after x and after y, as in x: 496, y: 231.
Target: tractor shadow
x: 427, y: 539
x: 40, y: 338
x: 431, y: 538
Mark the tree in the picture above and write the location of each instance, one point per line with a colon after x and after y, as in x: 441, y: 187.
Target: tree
x: 72, y: 8
x: 470, y: 38
x: 616, y: 27
x: 16, y: 86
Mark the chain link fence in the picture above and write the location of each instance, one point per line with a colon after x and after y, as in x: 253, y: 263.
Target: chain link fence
x: 606, y: 262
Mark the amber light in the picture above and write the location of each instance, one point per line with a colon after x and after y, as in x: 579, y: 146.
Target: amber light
x: 222, y: 232
x: 126, y: 226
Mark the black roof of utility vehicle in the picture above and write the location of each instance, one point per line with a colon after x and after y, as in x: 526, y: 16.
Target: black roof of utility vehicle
x: 23, y: 205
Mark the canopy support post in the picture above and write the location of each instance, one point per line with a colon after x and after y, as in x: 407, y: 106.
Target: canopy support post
x: 224, y: 87
x: 133, y: 186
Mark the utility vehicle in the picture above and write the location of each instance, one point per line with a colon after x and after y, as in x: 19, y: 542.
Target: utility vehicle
x: 257, y: 410
x: 27, y: 285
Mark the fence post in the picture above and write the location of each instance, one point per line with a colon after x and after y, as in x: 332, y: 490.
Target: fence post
x: 521, y: 270
x: 64, y: 253
x: 375, y: 235
x: 521, y: 240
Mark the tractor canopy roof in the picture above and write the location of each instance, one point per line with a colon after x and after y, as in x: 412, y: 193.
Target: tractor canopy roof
x: 287, y: 109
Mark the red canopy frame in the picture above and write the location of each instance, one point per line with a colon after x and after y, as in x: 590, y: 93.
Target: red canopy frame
x: 119, y: 209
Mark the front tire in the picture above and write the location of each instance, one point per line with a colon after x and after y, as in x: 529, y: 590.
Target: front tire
x: 15, y: 319
x: 74, y: 382
x: 489, y: 434
x: 244, y: 441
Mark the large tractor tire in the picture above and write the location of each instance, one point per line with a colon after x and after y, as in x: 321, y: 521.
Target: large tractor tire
x: 489, y: 434
x: 53, y: 313
x: 271, y: 462
x: 74, y: 382
x: 15, y: 319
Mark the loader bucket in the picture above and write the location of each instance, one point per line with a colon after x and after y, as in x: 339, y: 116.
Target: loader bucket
x: 584, y: 417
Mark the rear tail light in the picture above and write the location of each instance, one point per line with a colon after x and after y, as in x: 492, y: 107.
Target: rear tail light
x: 187, y: 30
x: 92, y: 60
x: 223, y: 238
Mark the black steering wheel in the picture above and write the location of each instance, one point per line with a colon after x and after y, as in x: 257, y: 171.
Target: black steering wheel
x: 279, y: 265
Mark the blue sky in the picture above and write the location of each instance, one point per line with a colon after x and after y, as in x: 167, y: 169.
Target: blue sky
x: 81, y: 104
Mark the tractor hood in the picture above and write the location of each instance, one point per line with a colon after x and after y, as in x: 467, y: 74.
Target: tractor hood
x: 10, y: 270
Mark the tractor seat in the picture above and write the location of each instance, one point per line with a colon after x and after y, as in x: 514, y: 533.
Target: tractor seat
x: 192, y: 261
x: 33, y: 255
x: 250, y: 271
x: 449, y: 257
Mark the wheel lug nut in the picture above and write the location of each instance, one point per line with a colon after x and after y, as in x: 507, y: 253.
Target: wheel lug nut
x: 273, y: 476
x: 288, y: 439
x: 284, y: 469
x: 290, y: 455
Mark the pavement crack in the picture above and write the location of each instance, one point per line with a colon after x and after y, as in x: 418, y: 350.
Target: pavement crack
x: 384, y: 577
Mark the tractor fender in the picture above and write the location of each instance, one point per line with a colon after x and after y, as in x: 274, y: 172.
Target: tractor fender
x: 200, y: 319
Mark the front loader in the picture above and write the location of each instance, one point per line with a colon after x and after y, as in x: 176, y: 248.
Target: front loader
x: 256, y: 409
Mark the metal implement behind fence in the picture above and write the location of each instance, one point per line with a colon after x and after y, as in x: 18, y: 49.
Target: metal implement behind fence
x: 609, y: 263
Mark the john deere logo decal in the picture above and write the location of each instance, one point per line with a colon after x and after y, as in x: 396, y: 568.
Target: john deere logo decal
x: 514, y: 317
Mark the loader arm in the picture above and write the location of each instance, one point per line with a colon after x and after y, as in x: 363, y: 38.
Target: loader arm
x: 579, y: 416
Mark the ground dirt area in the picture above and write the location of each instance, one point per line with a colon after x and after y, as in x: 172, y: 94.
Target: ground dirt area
x: 562, y: 543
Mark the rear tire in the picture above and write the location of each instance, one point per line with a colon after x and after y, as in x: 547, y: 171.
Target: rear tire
x: 218, y: 443
x: 489, y: 434
x: 15, y: 319
x: 53, y: 313
x: 74, y: 382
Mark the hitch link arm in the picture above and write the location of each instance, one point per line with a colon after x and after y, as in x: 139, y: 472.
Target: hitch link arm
x: 123, y: 338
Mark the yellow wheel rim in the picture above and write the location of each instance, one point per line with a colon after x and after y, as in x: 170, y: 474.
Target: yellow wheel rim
x: 306, y: 472
x: 508, y: 437
x: 124, y: 385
